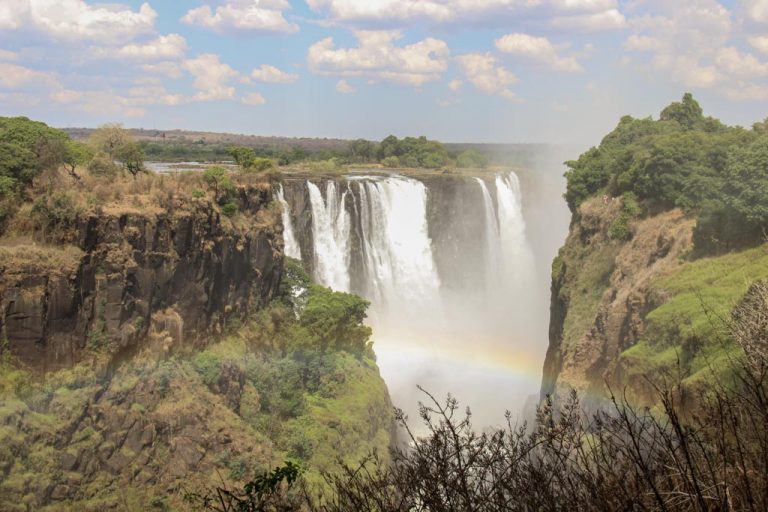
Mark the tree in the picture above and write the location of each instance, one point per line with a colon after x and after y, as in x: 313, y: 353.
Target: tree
x: 109, y: 138
x: 472, y: 158
x: 335, y: 320
x: 244, y: 157
x: 216, y: 178
x: 76, y: 155
x: 130, y: 154
x: 688, y: 112
x: 28, y: 147
x: 361, y: 150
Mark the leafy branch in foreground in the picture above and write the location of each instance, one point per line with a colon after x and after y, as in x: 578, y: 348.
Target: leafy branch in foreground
x: 268, y: 491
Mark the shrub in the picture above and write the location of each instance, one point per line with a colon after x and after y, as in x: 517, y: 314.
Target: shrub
x: 230, y: 209
x: 207, y: 364
x: 103, y: 166
x: 391, y: 161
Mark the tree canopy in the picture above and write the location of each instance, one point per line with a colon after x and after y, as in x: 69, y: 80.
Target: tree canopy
x: 684, y: 160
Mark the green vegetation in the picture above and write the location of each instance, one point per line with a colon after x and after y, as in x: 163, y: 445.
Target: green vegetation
x: 294, y: 382
x: 691, y: 327
x: 683, y: 160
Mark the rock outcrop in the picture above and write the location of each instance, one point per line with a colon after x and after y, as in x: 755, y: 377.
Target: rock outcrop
x: 601, y: 294
x: 118, y: 276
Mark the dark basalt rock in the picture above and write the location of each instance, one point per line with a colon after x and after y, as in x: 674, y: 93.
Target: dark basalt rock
x: 174, y: 273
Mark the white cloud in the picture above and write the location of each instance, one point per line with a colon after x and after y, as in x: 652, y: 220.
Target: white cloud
x: 246, y: 15
x: 13, y: 13
x: 377, y: 57
x: 13, y: 76
x: 455, y: 85
x: 757, y: 10
x: 7, y: 55
x: 211, y: 77
x: 483, y: 71
x: 168, y: 69
x: 538, y: 49
x: 684, y: 40
x: 597, y: 14
x: 610, y: 19
x: 760, y: 43
x: 75, y: 20
x: 744, y: 65
x: 253, y: 99
x: 172, y: 46
x: 271, y: 75
x: 344, y: 88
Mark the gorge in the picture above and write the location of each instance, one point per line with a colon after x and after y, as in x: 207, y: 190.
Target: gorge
x: 449, y: 267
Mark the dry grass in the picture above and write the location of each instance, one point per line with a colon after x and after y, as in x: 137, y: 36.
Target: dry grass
x: 19, y: 254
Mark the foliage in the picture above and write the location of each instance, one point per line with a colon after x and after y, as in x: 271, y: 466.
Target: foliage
x: 266, y: 492
x: 334, y: 320
x: 294, y: 285
x: 683, y: 160
x: 131, y: 156
x: 230, y: 209
x: 391, y: 161
x: 361, y: 151
x: 413, y: 151
x: 77, y: 155
x: 27, y: 148
x: 109, y: 138
x: 101, y: 165
x: 217, y: 178
x: 244, y: 157
x: 472, y: 158
x: 57, y: 209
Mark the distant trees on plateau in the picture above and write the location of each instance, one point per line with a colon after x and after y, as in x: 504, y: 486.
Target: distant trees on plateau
x: 686, y: 160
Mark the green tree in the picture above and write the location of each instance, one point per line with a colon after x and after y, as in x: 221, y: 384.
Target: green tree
x: 335, y: 320
x: 217, y: 179
x: 131, y: 156
x: 361, y: 150
x: 243, y: 157
x: 687, y: 112
x: 77, y: 155
x: 472, y: 158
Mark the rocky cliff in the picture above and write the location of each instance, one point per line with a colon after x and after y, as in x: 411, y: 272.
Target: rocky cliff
x: 631, y: 309
x: 115, y: 276
x: 601, y: 293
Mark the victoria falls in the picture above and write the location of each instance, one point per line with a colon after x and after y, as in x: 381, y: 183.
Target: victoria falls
x: 383, y: 256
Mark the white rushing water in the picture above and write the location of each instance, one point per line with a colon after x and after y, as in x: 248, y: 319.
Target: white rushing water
x: 330, y: 231
x: 292, y: 249
x: 401, y: 277
x: 445, y: 340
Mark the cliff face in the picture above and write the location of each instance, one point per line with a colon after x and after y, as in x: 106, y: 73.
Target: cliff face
x: 602, y: 292
x: 119, y: 276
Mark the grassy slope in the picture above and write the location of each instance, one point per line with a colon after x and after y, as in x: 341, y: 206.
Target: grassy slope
x: 689, y: 325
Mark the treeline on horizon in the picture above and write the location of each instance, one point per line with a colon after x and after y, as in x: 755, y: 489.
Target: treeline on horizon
x: 412, y: 152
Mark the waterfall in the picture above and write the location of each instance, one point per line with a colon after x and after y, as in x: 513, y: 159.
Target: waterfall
x: 398, y: 262
x: 455, y: 314
x: 515, y: 251
x: 330, y: 229
x: 492, y: 238
x: 292, y: 249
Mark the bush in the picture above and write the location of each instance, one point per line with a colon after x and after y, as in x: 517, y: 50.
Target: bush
x: 208, y: 365
x: 391, y: 161
x: 230, y: 209
x: 103, y: 166
x: 57, y: 209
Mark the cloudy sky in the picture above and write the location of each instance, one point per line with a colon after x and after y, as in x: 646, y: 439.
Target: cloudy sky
x: 559, y: 71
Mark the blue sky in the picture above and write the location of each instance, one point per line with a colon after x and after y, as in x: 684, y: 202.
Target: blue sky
x: 558, y: 71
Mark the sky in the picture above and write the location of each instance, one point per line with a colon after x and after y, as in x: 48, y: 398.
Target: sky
x: 546, y: 71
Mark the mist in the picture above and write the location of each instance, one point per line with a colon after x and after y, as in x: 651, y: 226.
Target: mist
x: 456, y: 268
